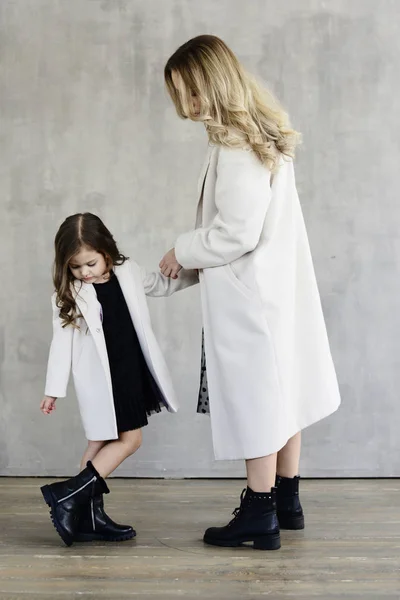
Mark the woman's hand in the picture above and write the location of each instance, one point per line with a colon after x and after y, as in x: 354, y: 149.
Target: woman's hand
x: 48, y: 405
x: 169, y: 265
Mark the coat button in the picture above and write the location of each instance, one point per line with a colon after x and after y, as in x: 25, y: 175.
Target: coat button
x: 98, y: 330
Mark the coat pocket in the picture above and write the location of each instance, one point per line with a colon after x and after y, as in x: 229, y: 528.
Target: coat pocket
x: 242, y: 287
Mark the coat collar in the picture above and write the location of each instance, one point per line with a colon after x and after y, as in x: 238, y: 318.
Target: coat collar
x: 86, y: 290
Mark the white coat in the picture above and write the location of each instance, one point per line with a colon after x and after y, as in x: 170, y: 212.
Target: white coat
x: 84, y: 349
x: 269, y: 367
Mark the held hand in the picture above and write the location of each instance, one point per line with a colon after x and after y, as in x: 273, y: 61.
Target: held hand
x: 48, y: 405
x: 169, y: 266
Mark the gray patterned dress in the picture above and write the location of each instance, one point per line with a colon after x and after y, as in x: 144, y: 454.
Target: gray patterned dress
x: 203, y: 404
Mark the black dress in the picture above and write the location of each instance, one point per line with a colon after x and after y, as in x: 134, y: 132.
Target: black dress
x: 136, y: 394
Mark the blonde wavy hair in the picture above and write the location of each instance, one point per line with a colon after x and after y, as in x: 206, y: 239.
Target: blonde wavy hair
x: 236, y: 110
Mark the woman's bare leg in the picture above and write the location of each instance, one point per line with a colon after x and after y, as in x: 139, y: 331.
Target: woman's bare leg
x: 289, y: 457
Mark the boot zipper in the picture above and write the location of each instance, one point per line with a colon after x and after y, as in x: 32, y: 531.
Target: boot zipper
x: 92, y: 511
x: 94, y: 478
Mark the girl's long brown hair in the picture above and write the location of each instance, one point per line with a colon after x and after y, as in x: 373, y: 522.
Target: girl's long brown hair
x: 236, y: 111
x: 78, y: 231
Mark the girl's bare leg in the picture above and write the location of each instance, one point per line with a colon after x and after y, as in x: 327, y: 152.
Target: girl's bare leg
x: 110, y: 456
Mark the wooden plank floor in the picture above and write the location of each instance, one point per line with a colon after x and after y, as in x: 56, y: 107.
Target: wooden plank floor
x: 350, y: 548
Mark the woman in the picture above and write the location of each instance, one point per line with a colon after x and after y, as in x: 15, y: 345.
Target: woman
x: 267, y: 363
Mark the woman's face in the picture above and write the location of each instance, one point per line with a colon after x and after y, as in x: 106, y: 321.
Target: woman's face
x: 178, y: 83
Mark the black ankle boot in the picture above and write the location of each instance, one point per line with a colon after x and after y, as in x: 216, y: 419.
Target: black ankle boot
x: 95, y: 524
x: 289, y: 510
x: 254, y: 521
x: 66, y: 498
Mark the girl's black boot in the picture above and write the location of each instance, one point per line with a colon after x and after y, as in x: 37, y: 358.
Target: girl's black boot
x: 65, y: 499
x: 95, y: 524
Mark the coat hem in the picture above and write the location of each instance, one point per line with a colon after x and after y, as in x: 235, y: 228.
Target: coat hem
x: 282, y: 445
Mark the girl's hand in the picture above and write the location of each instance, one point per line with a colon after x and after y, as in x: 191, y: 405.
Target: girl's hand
x: 169, y: 265
x: 48, y: 405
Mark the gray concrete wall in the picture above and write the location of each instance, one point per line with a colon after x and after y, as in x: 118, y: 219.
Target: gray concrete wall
x: 86, y: 125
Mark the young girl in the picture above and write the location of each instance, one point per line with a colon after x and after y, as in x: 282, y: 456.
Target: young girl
x: 102, y: 329
x: 267, y: 372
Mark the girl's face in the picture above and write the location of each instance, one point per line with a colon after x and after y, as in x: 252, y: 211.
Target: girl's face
x: 88, y: 265
x: 178, y: 83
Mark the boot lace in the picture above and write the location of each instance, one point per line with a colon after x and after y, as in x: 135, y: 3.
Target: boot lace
x: 237, y: 512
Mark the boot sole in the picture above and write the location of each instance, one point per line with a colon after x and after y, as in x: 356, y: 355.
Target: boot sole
x: 266, y: 542
x: 98, y: 537
x: 52, y: 503
x: 291, y: 523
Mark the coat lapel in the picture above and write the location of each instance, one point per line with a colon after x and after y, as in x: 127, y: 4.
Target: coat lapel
x: 125, y: 278
x: 204, y: 170
x: 90, y: 308
x: 200, y: 186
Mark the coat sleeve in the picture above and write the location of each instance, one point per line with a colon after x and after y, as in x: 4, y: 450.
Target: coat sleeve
x: 156, y: 284
x: 60, y: 356
x: 242, y: 196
